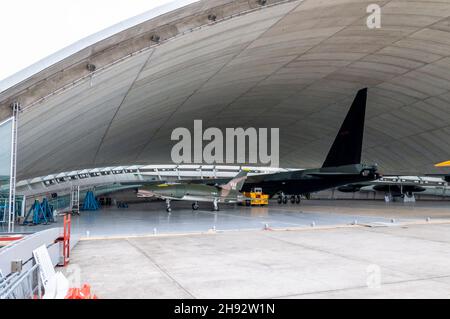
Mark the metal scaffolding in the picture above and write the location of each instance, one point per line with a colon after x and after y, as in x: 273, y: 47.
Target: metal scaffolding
x: 12, y: 181
x: 75, y: 199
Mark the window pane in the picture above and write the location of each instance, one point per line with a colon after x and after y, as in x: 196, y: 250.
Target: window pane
x: 5, y: 156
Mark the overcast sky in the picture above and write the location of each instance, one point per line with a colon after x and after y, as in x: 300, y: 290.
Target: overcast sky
x: 31, y: 30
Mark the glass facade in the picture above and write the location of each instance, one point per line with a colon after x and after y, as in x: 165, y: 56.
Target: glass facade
x: 5, y: 166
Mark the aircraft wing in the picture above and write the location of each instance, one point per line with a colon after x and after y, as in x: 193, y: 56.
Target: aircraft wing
x: 143, y: 193
x: 318, y: 174
x: 445, y: 177
x: 206, y: 181
x: 143, y: 183
x: 384, y: 187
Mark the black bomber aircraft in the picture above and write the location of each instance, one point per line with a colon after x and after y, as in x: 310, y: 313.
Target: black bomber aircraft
x: 342, y: 166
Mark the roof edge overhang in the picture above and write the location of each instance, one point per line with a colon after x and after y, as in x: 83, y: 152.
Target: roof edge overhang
x: 35, y: 68
x: 114, y: 44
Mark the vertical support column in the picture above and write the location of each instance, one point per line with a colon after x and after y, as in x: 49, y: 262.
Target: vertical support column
x: 12, y: 180
x: 159, y: 175
x: 139, y: 175
x: 75, y: 200
x: 24, y: 202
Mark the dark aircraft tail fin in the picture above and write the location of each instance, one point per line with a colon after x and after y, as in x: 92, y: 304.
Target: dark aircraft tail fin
x: 237, y: 182
x: 347, y: 146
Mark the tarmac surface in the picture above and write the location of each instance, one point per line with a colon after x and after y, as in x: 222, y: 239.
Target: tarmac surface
x: 151, y: 218
x: 315, y: 250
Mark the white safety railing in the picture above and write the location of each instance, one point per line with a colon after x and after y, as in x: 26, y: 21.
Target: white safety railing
x: 24, y: 285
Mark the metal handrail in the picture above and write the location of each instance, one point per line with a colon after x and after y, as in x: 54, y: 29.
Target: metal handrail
x: 18, y: 281
x: 4, y: 281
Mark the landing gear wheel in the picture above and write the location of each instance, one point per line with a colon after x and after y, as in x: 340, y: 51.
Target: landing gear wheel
x: 280, y: 199
x: 285, y: 199
x: 292, y: 199
x: 195, y: 206
x: 297, y: 199
x: 215, y: 206
x: 168, y: 208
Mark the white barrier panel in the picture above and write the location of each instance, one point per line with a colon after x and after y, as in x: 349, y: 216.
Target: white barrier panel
x: 56, y: 285
x: 23, y: 249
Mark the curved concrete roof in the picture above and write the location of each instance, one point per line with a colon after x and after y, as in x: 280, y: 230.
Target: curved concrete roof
x: 289, y: 64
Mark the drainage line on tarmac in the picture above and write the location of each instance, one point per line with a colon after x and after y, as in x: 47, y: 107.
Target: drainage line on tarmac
x: 161, y: 269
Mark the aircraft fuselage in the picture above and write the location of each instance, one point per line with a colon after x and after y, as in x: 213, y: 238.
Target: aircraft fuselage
x: 311, y: 180
x: 191, y: 192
